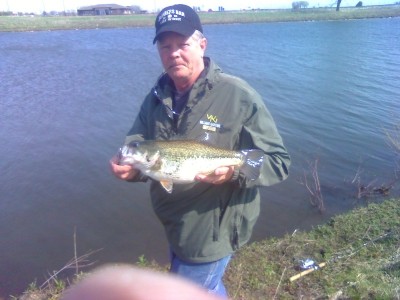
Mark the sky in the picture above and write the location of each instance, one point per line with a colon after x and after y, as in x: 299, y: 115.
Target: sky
x: 38, y: 6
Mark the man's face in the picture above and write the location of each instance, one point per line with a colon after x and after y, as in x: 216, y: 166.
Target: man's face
x: 182, y: 57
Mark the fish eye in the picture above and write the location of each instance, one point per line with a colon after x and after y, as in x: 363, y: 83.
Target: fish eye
x: 134, y: 144
x: 147, y: 158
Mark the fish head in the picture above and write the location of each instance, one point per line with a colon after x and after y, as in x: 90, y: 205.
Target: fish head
x: 139, y: 155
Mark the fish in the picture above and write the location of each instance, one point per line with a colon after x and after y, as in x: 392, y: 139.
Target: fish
x: 179, y: 161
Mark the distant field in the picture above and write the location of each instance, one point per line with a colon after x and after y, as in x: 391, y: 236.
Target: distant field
x: 37, y: 23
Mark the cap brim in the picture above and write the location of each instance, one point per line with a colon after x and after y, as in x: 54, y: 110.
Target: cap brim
x: 175, y: 27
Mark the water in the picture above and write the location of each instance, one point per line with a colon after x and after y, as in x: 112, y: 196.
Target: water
x: 69, y: 97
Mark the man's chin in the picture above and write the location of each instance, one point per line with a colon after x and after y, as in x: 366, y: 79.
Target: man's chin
x: 177, y: 74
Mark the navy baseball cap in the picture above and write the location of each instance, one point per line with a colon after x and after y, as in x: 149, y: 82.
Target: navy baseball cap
x: 178, y: 18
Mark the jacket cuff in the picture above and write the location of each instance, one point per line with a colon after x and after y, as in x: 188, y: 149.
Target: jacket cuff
x: 235, y: 175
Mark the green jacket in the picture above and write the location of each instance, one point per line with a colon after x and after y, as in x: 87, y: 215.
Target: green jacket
x: 206, y: 222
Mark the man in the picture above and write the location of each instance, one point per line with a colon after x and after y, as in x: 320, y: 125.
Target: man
x: 206, y: 221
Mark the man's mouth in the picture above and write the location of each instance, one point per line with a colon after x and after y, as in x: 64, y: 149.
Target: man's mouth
x: 176, y: 66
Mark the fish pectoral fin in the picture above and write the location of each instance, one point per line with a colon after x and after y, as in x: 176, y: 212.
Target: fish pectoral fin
x: 167, y: 185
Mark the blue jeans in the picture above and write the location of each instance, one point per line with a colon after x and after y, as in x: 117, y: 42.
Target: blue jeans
x: 207, y: 275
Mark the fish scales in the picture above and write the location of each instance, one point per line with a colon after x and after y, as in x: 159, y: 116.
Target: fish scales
x: 175, y: 161
x: 183, y: 160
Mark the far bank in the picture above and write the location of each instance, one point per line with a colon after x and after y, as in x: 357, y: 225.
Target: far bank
x: 43, y: 23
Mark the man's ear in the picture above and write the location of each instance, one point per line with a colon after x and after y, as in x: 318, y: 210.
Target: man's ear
x: 203, y: 44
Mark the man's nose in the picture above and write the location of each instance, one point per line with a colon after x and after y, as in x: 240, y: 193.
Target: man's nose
x: 175, y: 51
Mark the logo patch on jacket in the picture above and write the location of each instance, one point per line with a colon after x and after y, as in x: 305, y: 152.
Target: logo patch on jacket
x: 211, y: 124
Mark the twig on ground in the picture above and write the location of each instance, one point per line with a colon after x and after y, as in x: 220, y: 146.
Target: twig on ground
x: 279, y: 284
x: 76, y: 262
x: 82, y: 261
x: 75, y: 253
x: 314, y: 188
x: 372, y: 189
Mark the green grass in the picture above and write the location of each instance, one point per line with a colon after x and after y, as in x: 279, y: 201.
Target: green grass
x: 282, y: 15
x: 25, y: 23
x: 361, y: 250
x: 39, y: 23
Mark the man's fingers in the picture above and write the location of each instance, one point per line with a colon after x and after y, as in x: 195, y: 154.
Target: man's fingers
x: 220, y: 175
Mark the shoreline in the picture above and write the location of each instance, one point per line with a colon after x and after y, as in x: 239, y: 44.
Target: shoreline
x: 50, y: 23
x: 360, y: 247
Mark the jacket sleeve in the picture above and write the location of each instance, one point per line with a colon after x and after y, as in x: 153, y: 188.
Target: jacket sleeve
x: 260, y: 132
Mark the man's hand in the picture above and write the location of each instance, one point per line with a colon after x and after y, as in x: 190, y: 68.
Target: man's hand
x: 219, y: 176
x: 125, y: 172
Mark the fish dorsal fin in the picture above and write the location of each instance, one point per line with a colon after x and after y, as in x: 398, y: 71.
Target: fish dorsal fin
x: 167, y: 185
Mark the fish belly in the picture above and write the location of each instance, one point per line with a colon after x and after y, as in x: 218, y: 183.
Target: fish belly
x: 186, y: 171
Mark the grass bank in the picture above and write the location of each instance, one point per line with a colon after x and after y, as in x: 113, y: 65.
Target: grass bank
x: 361, y: 250
x: 38, y: 23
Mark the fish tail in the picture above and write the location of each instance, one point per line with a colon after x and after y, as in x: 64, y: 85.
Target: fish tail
x: 252, y: 163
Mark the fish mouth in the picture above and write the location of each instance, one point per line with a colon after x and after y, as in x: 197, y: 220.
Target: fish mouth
x: 126, y: 155
x: 124, y: 151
